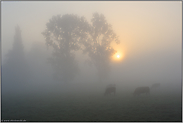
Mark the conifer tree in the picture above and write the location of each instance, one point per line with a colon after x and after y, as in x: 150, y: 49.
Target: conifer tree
x: 15, y: 68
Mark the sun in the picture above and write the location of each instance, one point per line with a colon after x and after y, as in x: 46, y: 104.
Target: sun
x: 118, y: 56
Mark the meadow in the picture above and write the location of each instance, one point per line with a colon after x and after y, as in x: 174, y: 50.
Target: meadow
x: 88, y: 105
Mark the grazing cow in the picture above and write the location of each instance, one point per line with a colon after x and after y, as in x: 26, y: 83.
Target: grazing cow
x: 110, y: 89
x: 155, y: 85
x: 141, y: 90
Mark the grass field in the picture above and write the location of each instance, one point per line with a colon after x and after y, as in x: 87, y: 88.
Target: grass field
x: 91, y: 106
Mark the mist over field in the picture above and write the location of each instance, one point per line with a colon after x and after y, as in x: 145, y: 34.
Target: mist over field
x: 91, y: 61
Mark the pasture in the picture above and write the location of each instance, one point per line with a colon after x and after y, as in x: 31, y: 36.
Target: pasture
x: 91, y: 105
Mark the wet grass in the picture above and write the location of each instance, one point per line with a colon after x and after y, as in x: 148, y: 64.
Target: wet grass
x: 82, y: 106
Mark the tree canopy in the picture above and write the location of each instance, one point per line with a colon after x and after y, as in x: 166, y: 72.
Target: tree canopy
x: 64, y: 34
x: 69, y: 33
x: 98, y: 44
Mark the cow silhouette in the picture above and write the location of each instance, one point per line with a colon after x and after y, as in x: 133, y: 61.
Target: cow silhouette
x: 141, y: 90
x: 110, y: 89
x: 155, y: 85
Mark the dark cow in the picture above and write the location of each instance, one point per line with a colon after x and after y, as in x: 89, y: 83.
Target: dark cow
x: 155, y: 85
x: 110, y: 89
x: 141, y: 90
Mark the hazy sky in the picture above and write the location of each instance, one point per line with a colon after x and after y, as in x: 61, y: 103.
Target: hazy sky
x: 149, y: 32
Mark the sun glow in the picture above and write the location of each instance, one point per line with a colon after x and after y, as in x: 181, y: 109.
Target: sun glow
x: 118, y: 56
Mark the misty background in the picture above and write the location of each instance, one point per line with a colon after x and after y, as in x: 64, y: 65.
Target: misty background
x: 150, y: 40
x: 71, y: 47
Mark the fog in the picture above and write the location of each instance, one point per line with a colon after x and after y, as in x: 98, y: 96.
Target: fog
x: 70, y: 48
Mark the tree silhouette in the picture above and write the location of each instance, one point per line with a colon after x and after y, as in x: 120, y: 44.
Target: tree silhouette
x: 64, y: 34
x: 69, y: 33
x: 15, y: 69
x: 98, y: 44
